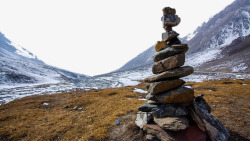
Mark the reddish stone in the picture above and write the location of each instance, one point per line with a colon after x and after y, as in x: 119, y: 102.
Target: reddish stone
x: 192, y: 133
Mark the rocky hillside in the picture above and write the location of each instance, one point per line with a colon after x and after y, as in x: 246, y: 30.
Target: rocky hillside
x: 221, y: 44
x: 19, y: 66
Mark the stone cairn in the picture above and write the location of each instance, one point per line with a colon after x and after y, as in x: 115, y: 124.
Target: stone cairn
x: 173, y: 113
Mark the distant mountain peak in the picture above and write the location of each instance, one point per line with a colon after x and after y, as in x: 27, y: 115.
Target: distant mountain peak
x: 19, y: 66
x: 211, y: 44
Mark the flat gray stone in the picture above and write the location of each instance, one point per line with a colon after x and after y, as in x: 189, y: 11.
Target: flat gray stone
x: 169, y: 110
x: 179, y: 95
x: 172, y: 123
x: 168, y: 63
x: 161, y: 86
x: 167, y: 52
x: 174, y: 73
x: 147, y: 107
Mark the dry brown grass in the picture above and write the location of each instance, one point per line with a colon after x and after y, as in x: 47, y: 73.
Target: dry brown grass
x: 29, y: 119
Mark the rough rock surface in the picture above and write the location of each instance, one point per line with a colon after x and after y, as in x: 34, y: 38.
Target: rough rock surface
x: 168, y: 63
x: 157, y: 131
x: 174, y: 73
x: 202, y: 101
x: 174, y: 41
x: 167, y: 36
x: 147, y: 107
x: 167, y: 52
x: 150, y: 137
x: 179, y: 95
x: 179, y: 46
x: 158, y: 87
x: 143, y: 118
x: 215, y: 129
x: 172, y: 123
x: 197, y: 119
x: 169, y: 110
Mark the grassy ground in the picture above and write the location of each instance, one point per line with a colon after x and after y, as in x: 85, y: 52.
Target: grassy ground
x: 29, y: 119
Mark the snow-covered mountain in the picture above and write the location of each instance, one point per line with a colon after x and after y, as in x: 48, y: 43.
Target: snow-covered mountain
x: 221, y: 44
x: 19, y: 66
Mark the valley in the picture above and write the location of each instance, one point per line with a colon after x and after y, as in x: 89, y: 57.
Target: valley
x: 91, y: 114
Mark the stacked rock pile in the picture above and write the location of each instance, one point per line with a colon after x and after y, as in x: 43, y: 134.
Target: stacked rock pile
x: 173, y: 112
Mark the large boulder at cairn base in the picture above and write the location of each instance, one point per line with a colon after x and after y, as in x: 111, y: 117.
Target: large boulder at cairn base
x: 169, y: 110
x: 167, y: 52
x: 197, y: 119
x: 168, y: 63
x: 174, y: 73
x: 215, y: 129
x: 158, y: 87
x: 172, y: 123
x: 202, y: 101
x: 181, y: 95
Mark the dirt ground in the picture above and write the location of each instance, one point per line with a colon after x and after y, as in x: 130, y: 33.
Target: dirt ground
x: 30, y: 118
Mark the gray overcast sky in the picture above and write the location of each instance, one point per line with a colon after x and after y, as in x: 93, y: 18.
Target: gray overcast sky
x: 96, y: 36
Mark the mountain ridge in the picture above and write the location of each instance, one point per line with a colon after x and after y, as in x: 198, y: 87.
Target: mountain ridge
x: 208, y: 42
x: 19, y: 66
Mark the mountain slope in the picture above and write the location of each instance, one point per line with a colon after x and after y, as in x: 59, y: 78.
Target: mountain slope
x: 142, y: 59
x: 209, y: 43
x: 215, y: 42
x: 19, y: 66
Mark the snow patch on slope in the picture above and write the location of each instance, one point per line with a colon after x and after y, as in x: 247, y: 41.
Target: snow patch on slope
x: 191, y: 35
x: 22, y: 51
x: 140, y: 91
x: 219, y: 40
x: 240, y: 67
x: 199, y: 58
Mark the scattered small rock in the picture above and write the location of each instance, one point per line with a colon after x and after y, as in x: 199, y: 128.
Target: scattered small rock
x: 117, y: 122
x: 65, y: 107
